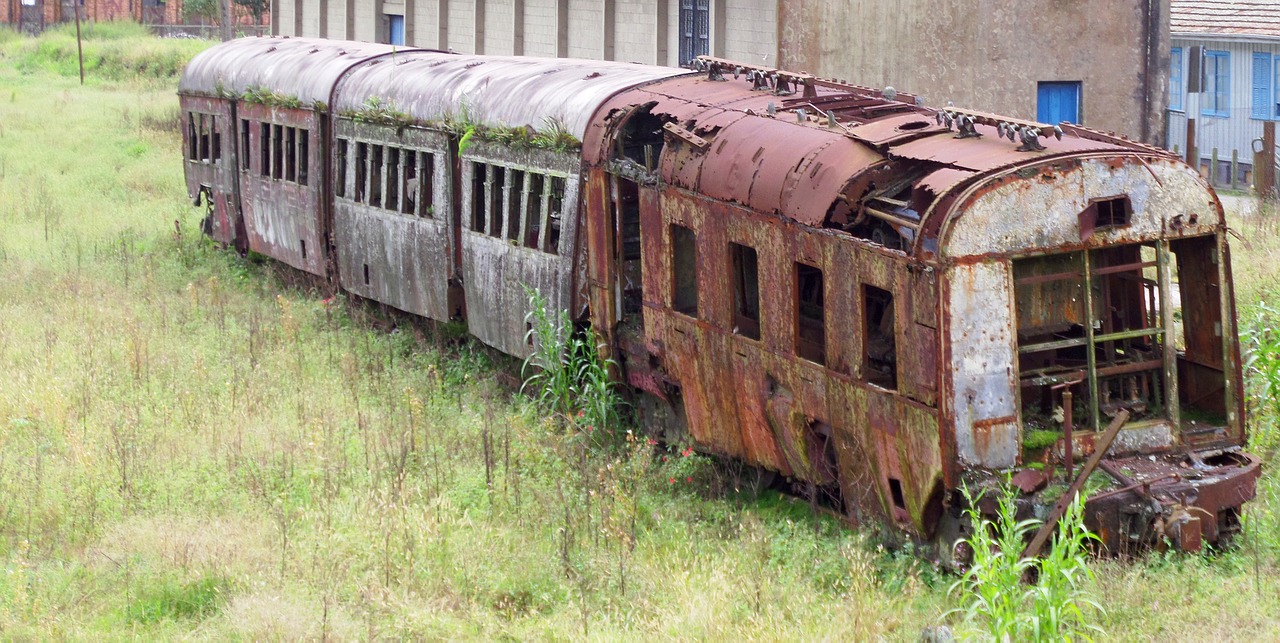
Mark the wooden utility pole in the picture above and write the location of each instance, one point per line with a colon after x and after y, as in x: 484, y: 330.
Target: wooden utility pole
x: 79, y: 44
x: 1265, y: 171
x: 1195, y: 85
x: 224, y: 8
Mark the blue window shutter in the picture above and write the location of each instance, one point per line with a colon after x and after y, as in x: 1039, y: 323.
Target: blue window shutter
x: 1176, y: 85
x: 1223, y: 69
x: 1261, y: 86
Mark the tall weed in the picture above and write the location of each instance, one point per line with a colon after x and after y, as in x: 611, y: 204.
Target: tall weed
x: 995, y: 601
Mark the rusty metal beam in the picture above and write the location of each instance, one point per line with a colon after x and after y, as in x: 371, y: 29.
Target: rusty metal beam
x: 1100, y: 450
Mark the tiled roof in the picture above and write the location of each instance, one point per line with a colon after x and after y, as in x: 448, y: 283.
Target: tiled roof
x: 1243, y: 18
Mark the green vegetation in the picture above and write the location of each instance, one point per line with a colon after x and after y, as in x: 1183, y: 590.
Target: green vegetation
x: 189, y: 447
x: 995, y: 598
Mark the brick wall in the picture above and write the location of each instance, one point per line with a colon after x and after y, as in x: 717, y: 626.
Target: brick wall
x: 586, y: 28
x: 540, y: 35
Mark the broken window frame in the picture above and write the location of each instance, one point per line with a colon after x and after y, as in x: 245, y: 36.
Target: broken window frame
x: 1100, y: 339
x: 880, y: 371
x: 744, y: 262
x: 810, y: 312
x: 683, y: 253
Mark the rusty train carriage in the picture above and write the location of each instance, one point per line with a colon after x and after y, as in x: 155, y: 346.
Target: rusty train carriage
x: 824, y: 280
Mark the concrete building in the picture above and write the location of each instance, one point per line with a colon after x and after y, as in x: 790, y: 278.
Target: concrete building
x: 1241, y: 66
x: 1103, y: 63
x: 667, y: 32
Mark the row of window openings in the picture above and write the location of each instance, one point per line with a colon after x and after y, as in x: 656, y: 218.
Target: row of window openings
x: 395, y: 179
x: 522, y: 207
x: 204, y: 139
x: 878, y: 340
x: 284, y: 151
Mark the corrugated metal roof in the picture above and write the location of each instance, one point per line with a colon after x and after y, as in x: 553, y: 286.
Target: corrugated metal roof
x: 510, y: 91
x: 302, y: 68
x: 1257, y: 18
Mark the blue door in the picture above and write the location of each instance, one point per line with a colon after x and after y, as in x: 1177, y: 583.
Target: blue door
x: 397, y: 30
x: 1057, y: 102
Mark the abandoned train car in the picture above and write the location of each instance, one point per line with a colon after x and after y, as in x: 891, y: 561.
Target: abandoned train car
x: 831, y: 282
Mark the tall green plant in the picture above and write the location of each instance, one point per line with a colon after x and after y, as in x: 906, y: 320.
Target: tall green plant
x: 1261, y: 336
x: 995, y: 600
x: 566, y: 373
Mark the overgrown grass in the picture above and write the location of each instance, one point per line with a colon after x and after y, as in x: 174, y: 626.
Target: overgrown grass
x: 113, y: 51
x: 190, y: 448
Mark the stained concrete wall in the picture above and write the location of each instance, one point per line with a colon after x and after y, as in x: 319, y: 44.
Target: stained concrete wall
x: 989, y: 55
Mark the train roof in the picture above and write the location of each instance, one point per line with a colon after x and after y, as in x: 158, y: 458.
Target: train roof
x: 296, y: 68
x: 509, y: 91
x: 810, y: 148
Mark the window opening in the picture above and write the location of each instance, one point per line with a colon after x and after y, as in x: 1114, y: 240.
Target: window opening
x: 393, y: 179
x: 1176, y: 86
x: 627, y: 223
x: 215, y: 144
x: 478, y: 171
x: 362, y: 171
x: 291, y: 154
x: 264, y: 143
x: 303, y: 243
x: 534, y: 207
x: 1090, y: 322
x: 193, y: 137
x: 497, y: 196
x: 366, y: 274
x: 304, y: 155
x: 684, y: 270
x: 409, y: 190
x: 555, y: 209
x: 879, y: 346
x: 426, y: 185
x: 811, y: 336
x: 746, y: 290
x: 245, y: 155
x: 513, y: 200
x: 277, y: 151
x: 203, y: 121
x: 375, y: 175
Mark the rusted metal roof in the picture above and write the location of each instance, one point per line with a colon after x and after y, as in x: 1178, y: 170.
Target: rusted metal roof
x: 509, y: 91
x: 784, y: 154
x: 302, y: 68
x: 1255, y: 19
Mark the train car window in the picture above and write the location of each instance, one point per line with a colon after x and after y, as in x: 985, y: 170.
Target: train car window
x: 880, y: 355
x: 375, y: 175
x: 277, y: 151
x: 204, y: 136
x: 409, y: 187
x: 215, y: 142
x: 246, y: 159
x: 497, y: 192
x: 811, y: 332
x: 515, y: 197
x: 393, y: 179
x: 291, y: 154
x: 264, y: 142
x: 1105, y: 213
x: 535, y: 201
x: 426, y: 185
x: 746, y: 290
x: 478, y: 171
x: 555, y: 208
x: 684, y: 270
x: 340, y: 186
x: 193, y: 139
x: 362, y: 171
x: 304, y: 155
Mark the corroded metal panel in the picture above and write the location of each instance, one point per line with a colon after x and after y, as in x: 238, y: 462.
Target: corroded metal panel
x: 296, y: 68
x: 282, y: 218
x: 215, y: 179
x: 409, y: 257
x: 1042, y: 214
x: 495, y: 271
x: 982, y: 397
